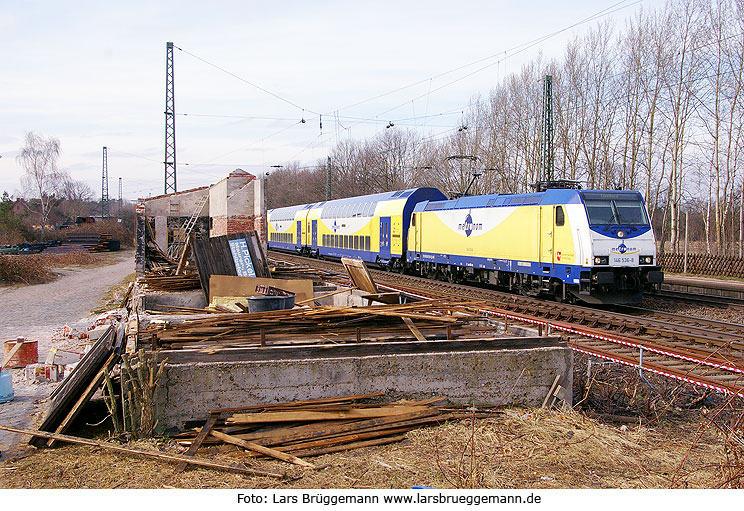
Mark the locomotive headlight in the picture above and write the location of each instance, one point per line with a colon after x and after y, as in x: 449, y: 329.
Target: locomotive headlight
x: 601, y: 260
x: 597, y: 260
x: 646, y: 259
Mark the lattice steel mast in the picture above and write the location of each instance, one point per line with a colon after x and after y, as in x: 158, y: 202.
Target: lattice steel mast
x: 170, y: 123
x: 104, y: 187
x: 547, y: 154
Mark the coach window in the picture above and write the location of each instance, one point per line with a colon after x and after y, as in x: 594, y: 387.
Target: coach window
x: 560, y: 218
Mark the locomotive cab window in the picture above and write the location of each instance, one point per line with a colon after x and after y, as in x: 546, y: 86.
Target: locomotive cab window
x: 615, y: 209
x: 560, y: 217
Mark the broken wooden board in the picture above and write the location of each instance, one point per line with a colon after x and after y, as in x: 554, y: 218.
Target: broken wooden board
x: 203, y: 434
x: 93, y: 386
x: 72, y: 387
x: 227, y: 285
x: 216, y: 256
x: 359, y: 274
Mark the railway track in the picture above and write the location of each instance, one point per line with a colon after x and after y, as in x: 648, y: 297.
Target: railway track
x: 699, y: 351
x: 707, y: 299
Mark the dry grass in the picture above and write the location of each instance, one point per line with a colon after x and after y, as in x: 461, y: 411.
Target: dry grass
x: 36, y: 268
x: 113, y: 297
x: 519, y: 449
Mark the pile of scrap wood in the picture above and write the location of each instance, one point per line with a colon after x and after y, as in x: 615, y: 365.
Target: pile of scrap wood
x: 285, y: 269
x: 300, y: 429
x: 165, y: 274
x: 438, y: 318
x: 158, y: 282
x: 157, y: 260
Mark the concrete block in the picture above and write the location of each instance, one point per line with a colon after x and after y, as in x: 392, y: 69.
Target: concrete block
x: 495, y: 373
x: 157, y: 300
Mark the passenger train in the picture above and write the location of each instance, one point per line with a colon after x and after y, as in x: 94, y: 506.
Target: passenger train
x: 593, y: 246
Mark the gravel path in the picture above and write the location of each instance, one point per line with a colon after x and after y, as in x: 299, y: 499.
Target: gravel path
x: 34, y: 312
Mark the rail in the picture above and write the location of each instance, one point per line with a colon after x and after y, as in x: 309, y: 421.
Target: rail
x: 699, y: 351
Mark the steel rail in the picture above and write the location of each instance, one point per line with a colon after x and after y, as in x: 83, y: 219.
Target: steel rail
x: 660, y: 337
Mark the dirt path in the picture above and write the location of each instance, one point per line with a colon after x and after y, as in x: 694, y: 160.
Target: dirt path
x: 35, y: 312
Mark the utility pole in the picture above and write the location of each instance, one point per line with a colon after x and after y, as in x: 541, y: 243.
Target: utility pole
x: 104, y: 187
x: 118, y: 211
x: 547, y: 155
x: 170, y: 123
x: 328, y: 180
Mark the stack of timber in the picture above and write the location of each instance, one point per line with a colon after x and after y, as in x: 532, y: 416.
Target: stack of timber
x: 286, y: 270
x: 93, y: 242
x: 439, y: 319
x: 299, y: 429
x: 183, y: 282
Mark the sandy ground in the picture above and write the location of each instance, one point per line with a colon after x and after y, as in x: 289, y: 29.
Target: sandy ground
x: 39, y: 313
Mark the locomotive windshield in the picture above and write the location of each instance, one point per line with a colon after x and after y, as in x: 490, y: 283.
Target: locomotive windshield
x: 615, y: 209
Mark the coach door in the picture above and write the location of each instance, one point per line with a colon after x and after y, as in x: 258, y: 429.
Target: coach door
x: 298, y: 241
x: 547, y: 238
x: 385, y: 237
x: 417, y: 234
x: 315, y: 235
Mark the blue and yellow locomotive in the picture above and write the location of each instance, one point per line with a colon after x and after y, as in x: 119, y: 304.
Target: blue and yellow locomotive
x: 589, y: 245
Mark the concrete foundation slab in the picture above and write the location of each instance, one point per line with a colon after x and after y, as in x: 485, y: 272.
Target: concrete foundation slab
x: 509, y: 371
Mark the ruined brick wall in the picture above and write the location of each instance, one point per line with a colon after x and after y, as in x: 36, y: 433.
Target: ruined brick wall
x: 240, y: 223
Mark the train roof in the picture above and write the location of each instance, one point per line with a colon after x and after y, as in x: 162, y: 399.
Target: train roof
x: 548, y: 197
x: 384, y: 196
x: 425, y: 193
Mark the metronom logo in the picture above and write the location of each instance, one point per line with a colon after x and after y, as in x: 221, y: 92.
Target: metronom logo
x: 468, y: 226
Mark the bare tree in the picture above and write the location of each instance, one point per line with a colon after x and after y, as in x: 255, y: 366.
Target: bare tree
x: 76, y: 193
x: 39, y: 159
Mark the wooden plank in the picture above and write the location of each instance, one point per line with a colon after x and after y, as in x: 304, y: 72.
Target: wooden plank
x: 84, y: 398
x: 203, y: 433
x: 308, y: 432
x: 348, y: 447
x: 324, y: 400
x: 260, y: 449
x: 293, y: 416
x: 369, y: 432
x: 142, y: 452
x: 11, y: 353
x: 552, y: 389
x: 415, y: 331
x: 184, y: 255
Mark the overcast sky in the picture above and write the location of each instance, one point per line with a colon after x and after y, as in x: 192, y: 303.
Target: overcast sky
x: 92, y: 74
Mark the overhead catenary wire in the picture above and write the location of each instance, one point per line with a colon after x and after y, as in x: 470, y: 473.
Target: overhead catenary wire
x: 277, y: 96
x: 515, y: 51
